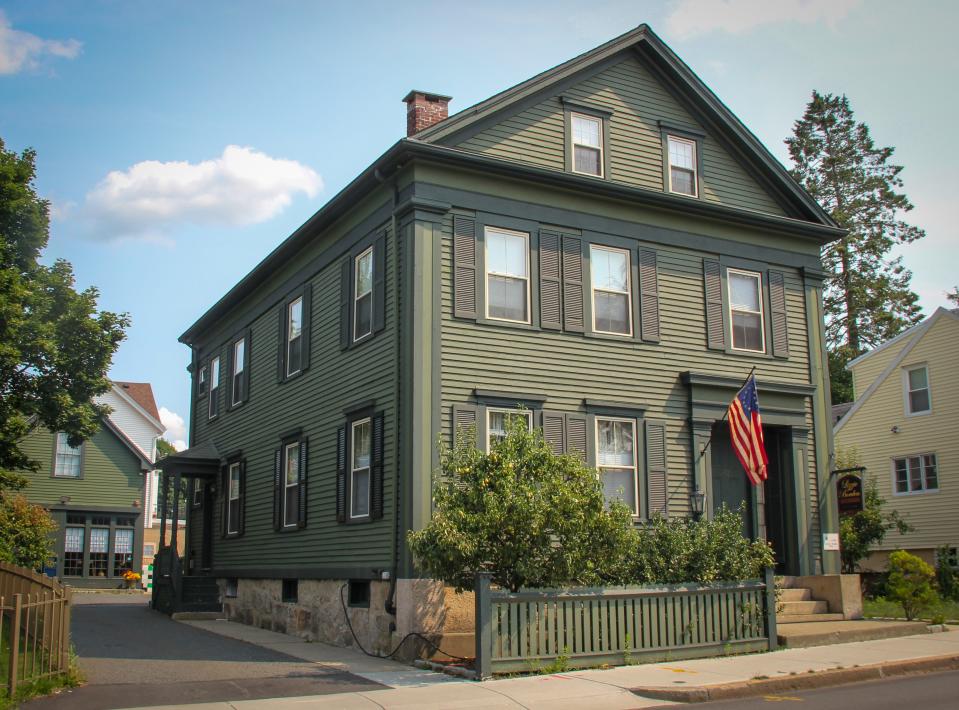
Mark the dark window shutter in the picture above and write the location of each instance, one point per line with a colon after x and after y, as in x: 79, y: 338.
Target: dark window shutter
x: 277, y: 489
x: 573, y: 318
x: 713, y: 282
x: 464, y: 266
x: 464, y: 418
x: 576, y: 435
x: 302, y: 486
x: 379, y: 284
x: 376, y: 473
x: 225, y: 488
x: 241, y: 517
x: 656, y: 467
x: 649, y: 295
x: 550, y: 277
x: 281, y: 343
x: 554, y: 431
x: 307, y: 327
x: 346, y: 273
x: 341, y: 475
x: 777, y: 313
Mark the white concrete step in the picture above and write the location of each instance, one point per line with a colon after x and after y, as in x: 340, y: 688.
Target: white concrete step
x: 795, y: 595
x: 802, y: 618
x: 807, y: 607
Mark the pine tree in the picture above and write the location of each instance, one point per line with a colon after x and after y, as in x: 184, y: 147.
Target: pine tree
x: 867, y: 298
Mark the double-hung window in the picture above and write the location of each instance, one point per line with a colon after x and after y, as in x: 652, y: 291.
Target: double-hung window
x: 201, y: 382
x: 917, y: 391
x: 916, y: 474
x: 616, y: 460
x: 294, y: 336
x: 239, y: 364
x: 507, y: 275
x: 612, y: 307
x: 363, y: 295
x: 683, y: 179
x: 291, y: 484
x: 587, y: 142
x: 233, y: 500
x: 67, y: 463
x: 361, y: 448
x: 197, y: 492
x: 498, y: 422
x: 746, y: 311
x: 214, y: 407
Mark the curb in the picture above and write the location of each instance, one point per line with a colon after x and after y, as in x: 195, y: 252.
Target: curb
x: 805, y: 681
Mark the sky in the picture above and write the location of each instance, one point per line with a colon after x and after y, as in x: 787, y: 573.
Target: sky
x: 180, y: 142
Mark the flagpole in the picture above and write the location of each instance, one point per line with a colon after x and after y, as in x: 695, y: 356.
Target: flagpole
x: 725, y: 414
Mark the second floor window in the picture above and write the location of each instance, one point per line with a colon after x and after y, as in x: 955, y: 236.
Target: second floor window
x: 616, y: 460
x: 67, y: 464
x: 291, y: 484
x: 682, y: 166
x: 612, y: 308
x: 917, y: 390
x: 214, y: 408
x: 233, y: 500
x: 363, y: 295
x: 239, y: 364
x: 587, y: 140
x: 507, y: 275
x: 746, y: 311
x: 201, y: 382
x: 361, y: 444
x: 294, y: 337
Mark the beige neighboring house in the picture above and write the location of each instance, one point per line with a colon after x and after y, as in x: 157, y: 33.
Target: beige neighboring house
x: 904, y: 423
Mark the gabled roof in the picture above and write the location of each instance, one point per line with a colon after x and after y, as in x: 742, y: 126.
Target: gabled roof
x: 142, y: 394
x: 904, y: 335
x: 715, y: 114
x: 145, y: 463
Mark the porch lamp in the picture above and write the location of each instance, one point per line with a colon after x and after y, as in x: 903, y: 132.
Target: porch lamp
x: 698, y: 502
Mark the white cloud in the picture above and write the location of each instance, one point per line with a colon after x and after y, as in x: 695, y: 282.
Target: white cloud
x: 690, y: 18
x: 21, y: 50
x: 242, y: 186
x: 175, y: 428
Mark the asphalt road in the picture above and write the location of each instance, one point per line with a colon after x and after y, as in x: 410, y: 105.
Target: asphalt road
x: 933, y: 691
x: 132, y: 656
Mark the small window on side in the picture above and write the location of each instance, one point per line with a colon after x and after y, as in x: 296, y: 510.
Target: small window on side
x: 231, y: 588
x: 683, y: 177
x: 290, y: 591
x: 746, y: 311
x: 587, y: 142
x: 233, y: 500
x: 294, y: 336
x: 363, y: 295
x: 201, y: 381
x: 359, y: 593
x: 197, y: 491
x: 214, y: 405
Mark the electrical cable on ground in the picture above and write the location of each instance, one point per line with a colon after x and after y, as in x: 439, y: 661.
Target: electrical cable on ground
x: 392, y: 653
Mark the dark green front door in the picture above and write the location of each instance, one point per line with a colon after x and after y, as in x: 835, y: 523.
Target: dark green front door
x: 730, y: 487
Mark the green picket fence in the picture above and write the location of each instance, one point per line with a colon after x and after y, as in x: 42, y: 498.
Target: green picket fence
x: 583, y: 627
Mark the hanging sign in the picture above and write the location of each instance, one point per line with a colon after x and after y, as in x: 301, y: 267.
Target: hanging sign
x: 849, y: 494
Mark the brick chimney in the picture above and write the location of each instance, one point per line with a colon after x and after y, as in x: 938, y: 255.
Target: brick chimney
x: 423, y: 109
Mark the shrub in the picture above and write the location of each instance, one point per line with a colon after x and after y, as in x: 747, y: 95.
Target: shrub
x: 25, y: 532
x: 860, y: 532
x: 910, y: 583
x: 947, y: 576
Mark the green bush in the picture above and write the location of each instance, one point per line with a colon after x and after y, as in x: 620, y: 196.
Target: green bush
x: 25, y: 532
x: 860, y: 532
x: 910, y: 583
x: 947, y: 576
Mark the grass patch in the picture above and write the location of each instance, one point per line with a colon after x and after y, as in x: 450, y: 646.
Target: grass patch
x: 880, y: 607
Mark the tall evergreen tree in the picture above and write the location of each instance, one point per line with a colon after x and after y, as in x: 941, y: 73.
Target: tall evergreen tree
x: 867, y: 297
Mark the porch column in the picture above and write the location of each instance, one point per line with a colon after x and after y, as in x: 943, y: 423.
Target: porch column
x: 176, y: 510
x: 188, y: 531
x: 164, y: 483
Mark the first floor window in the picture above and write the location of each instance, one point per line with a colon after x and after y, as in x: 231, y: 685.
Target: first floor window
x: 915, y: 474
x: 917, y: 390
x: 363, y: 295
x: 291, y: 484
x: 294, y: 336
x: 122, y: 550
x: 612, y: 310
x: 682, y: 166
x: 587, y: 140
x: 507, y: 275
x: 67, y: 464
x: 99, y: 551
x: 360, y: 459
x: 746, y: 310
x: 499, y: 420
x: 616, y: 460
x: 73, y: 552
x: 233, y: 500
x: 197, y: 491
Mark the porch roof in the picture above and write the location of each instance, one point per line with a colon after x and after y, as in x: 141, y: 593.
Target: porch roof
x: 201, y: 461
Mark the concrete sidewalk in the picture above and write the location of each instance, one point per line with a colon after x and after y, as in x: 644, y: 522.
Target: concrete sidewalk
x: 614, y: 688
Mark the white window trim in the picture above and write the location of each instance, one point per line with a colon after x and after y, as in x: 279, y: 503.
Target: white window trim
x: 230, y: 530
x: 922, y: 469
x: 572, y: 142
x: 214, y: 386
x: 239, y: 365
x: 202, y: 383
x: 500, y: 410
x: 368, y: 469
x: 197, y: 491
x: 628, y: 293
x: 289, y: 334
x: 525, y: 236
x: 356, y: 297
x: 287, y: 486
x: 669, y: 166
x: 762, y: 309
x: 635, y: 467
x: 78, y: 455
x: 907, y: 405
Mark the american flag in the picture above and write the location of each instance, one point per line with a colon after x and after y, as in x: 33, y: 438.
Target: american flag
x: 746, y: 429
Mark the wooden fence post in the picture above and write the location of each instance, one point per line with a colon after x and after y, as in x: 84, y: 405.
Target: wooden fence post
x: 771, y: 610
x: 14, y: 646
x: 483, y: 632
x: 65, y: 630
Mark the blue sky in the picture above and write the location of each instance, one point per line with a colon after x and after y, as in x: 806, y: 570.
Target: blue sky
x: 179, y: 142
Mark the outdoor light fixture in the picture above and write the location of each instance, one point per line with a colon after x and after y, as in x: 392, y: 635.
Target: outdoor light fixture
x: 698, y: 502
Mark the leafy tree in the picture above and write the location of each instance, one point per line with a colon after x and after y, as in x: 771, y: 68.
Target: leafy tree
x: 530, y: 517
x: 860, y: 532
x: 910, y: 583
x: 26, y: 532
x: 164, y: 449
x: 867, y: 297
x: 55, y: 347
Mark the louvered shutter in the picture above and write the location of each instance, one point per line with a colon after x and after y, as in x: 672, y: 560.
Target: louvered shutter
x: 241, y: 516
x: 576, y: 435
x: 302, y: 486
x: 713, y: 284
x: 379, y: 284
x: 649, y: 295
x: 550, y: 281
x: 464, y: 266
x: 777, y: 313
x: 554, y: 431
x: 656, y: 467
x: 464, y: 417
x: 277, y: 489
x: 573, y: 312
x: 341, y: 475
x: 376, y: 473
x: 281, y: 344
x: 346, y: 273
x: 307, y: 327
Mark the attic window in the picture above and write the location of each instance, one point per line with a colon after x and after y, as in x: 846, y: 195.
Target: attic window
x: 587, y: 140
x: 683, y: 176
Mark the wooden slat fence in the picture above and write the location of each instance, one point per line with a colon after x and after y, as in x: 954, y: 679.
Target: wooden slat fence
x: 582, y: 627
x: 34, y: 627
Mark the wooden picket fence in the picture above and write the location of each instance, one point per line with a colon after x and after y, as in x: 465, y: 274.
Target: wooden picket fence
x: 34, y: 627
x: 583, y: 627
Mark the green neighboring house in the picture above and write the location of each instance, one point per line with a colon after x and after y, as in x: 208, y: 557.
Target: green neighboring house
x: 605, y: 245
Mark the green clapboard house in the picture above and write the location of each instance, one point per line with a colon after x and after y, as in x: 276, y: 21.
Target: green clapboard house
x: 604, y: 244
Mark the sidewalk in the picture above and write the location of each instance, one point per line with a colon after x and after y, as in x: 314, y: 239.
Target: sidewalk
x: 615, y: 688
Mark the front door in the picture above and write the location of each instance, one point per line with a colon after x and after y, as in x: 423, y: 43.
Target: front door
x: 730, y: 487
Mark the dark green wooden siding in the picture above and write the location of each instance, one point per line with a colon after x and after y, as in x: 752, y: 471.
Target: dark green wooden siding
x: 638, y: 101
